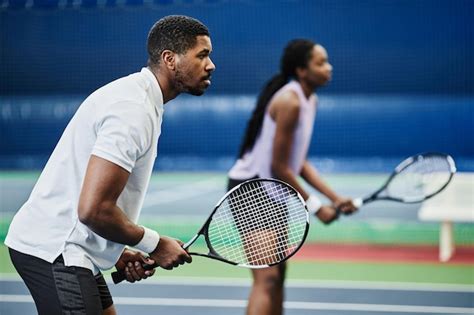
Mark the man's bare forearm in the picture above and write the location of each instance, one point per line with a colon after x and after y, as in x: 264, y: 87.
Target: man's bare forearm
x: 111, y: 223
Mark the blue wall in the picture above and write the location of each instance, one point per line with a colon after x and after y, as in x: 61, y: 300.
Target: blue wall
x: 402, y: 80
x: 210, y: 127
x: 389, y: 46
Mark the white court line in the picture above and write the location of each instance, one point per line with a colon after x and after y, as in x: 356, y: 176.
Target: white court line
x: 182, y: 192
x: 316, y: 284
x: 140, y: 301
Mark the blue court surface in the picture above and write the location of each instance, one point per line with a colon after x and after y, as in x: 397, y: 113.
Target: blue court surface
x: 229, y: 296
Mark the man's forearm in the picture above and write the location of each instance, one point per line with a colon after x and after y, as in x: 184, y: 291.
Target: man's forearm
x: 111, y: 223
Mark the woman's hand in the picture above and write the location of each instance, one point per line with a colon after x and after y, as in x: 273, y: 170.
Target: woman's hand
x: 345, y: 205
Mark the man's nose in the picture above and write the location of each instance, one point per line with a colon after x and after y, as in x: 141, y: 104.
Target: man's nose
x: 210, y: 66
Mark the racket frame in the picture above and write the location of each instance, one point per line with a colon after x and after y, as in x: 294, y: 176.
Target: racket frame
x: 204, y: 229
x: 117, y: 276
x: 400, y: 167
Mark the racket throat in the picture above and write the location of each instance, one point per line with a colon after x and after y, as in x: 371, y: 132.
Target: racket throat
x: 191, y: 241
x: 212, y: 253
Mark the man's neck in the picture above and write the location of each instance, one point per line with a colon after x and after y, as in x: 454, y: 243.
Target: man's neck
x: 169, y: 92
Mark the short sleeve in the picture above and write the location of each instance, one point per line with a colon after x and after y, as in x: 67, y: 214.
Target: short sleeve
x: 124, y: 134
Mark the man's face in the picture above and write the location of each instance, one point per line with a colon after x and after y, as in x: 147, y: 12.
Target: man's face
x: 319, y: 69
x: 194, y: 68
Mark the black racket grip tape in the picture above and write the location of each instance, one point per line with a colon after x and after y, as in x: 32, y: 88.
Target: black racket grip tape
x: 119, y: 276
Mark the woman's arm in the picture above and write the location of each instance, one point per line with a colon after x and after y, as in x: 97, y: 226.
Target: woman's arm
x: 284, y: 110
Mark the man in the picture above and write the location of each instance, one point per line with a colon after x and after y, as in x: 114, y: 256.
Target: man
x: 276, y: 144
x: 83, y: 210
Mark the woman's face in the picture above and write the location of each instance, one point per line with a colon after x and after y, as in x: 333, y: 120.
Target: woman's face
x: 319, y: 70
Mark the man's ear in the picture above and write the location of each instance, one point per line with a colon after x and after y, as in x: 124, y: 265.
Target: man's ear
x: 169, y: 59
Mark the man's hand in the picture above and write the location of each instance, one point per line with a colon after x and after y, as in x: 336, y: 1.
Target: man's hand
x: 131, y: 263
x: 170, y: 254
x: 327, y: 214
x: 345, y: 205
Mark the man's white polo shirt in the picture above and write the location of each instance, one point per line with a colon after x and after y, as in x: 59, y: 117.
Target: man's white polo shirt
x: 120, y: 122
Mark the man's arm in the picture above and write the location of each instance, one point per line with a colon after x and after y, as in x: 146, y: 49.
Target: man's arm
x: 103, y: 183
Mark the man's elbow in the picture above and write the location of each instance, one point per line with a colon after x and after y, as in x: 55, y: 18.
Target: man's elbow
x: 90, y: 215
x: 85, y: 214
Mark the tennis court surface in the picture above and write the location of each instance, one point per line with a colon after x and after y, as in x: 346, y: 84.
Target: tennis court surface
x: 382, y: 260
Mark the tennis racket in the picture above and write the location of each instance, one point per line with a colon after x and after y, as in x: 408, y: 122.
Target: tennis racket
x: 416, y: 179
x: 257, y: 224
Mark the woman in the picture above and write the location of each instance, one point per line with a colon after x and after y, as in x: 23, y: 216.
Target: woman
x: 276, y: 144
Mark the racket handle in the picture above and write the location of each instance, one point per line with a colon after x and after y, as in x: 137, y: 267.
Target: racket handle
x: 357, y: 202
x: 119, y: 275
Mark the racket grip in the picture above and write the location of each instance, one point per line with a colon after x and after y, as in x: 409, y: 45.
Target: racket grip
x: 357, y: 202
x: 119, y: 275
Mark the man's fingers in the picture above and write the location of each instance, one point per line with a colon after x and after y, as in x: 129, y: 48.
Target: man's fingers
x: 140, y: 270
x: 148, y: 261
x: 150, y: 273
x: 132, y: 263
x: 128, y: 275
x: 170, y: 254
x: 187, y: 258
x: 133, y: 270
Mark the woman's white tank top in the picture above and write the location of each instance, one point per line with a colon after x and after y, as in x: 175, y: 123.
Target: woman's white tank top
x: 258, y: 160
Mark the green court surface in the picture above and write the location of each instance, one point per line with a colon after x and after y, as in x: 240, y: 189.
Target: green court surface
x: 178, y: 203
x: 347, y: 231
x: 317, y: 271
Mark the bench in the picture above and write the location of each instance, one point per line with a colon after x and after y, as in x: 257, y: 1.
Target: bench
x: 454, y: 204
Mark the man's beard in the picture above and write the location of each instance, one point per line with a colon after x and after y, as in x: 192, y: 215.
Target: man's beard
x: 182, y: 87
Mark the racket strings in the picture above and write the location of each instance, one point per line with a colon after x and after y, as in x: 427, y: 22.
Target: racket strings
x: 422, y: 178
x: 267, y: 247
x: 260, y: 240
x: 260, y: 223
x: 282, y: 208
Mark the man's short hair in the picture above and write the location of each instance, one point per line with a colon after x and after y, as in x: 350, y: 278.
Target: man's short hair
x: 174, y: 32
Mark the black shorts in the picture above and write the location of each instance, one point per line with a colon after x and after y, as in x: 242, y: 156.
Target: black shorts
x: 57, y: 289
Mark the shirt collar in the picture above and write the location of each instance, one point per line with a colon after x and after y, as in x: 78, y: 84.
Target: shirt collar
x: 155, y: 89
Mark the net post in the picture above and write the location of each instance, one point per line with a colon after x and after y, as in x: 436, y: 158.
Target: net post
x: 446, y: 241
